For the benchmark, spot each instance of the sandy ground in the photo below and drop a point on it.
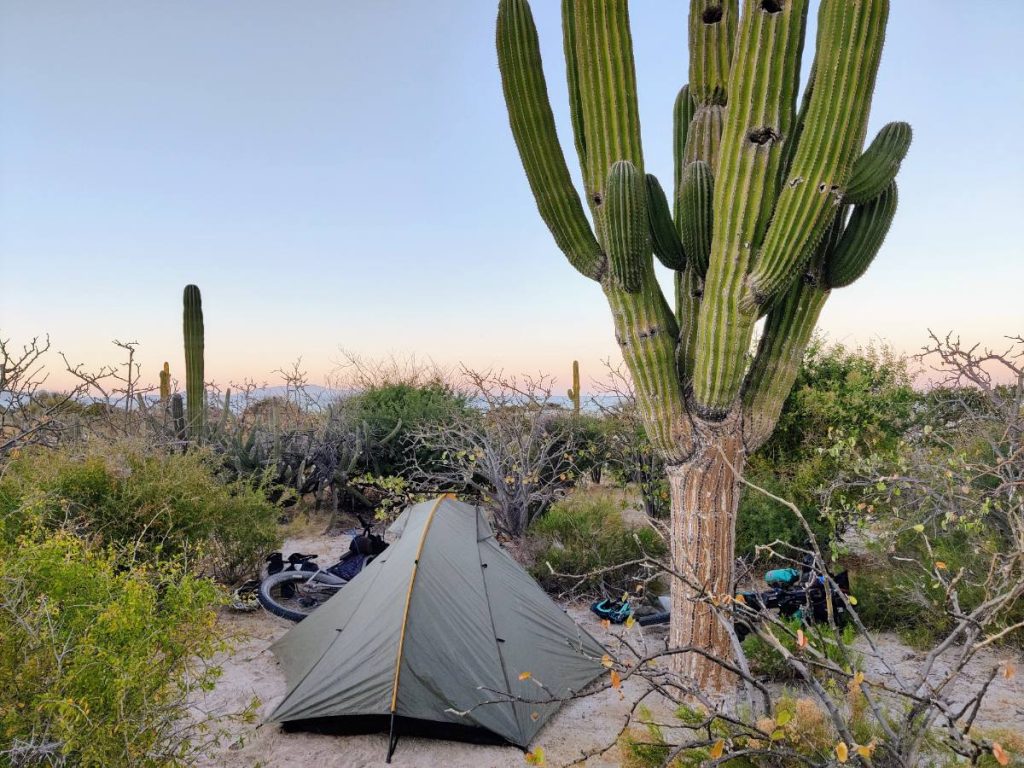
(582, 726)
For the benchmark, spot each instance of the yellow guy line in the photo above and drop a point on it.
(408, 596)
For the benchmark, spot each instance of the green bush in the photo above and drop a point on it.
(768, 663)
(586, 532)
(407, 406)
(159, 504)
(97, 653)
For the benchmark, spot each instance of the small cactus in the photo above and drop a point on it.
(165, 383)
(178, 417)
(574, 391)
(195, 387)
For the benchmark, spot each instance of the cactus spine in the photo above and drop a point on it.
(757, 223)
(195, 386)
(574, 392)
(165, 382)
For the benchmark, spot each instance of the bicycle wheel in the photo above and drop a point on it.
(293, 595)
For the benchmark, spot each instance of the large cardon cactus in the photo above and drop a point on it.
(773, 204)
(195, 386)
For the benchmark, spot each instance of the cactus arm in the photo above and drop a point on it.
(607, 84)
(628, 240)
(862, 239)
(664, 237)
(849, 50)
(195, 388)
(712, 33)
(761, 97)
(572, 74)
(689, 290)
(646, 332)
(787, 331)
(879, 164)
(696, 218)
(705, 135)
(533, 126)
(682, 116)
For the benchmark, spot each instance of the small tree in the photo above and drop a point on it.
(761, 195)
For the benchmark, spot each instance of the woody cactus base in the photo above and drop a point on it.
(771, 207)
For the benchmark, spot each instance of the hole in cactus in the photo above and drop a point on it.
(771, 6)
(822, 187)
(809, 278)
(597, 198)
(796, 182)
(712, 15)
(762, 136)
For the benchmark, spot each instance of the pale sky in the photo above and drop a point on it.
(341, 173)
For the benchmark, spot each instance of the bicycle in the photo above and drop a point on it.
(299, 589)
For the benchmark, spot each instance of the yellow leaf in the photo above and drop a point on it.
(625, 597)
(801, 639)
(524, 675)
(842, 752)
(717, 749)
(866, 750)
(740, 599)
(852, 599)
(606, 623)
(783, 717)
(630, 621)
(616, 680)
(1001, 755)
(536, 757)
(777, 735)
(855, 681)
(535, 716)
(1009, 671)
(919, 528)
(940, 565)
(606, 661)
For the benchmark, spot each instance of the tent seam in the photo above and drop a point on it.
(494, 631)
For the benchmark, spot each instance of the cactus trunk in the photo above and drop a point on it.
(195, 387)
(705, 497)
(760, 198)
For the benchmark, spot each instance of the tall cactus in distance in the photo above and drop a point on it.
(757, 224)
(574, 391)
(165, 382)
(195, 383)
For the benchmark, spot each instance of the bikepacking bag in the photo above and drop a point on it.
(782, 577)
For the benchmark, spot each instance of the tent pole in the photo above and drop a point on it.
(392, 739)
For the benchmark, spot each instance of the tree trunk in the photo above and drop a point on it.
(705, 498)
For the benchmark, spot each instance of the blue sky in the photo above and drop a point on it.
(341, 173)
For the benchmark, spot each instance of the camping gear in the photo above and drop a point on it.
(443, 633)
(615, 611)
(295, 591)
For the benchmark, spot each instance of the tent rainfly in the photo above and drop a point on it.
(442, 634)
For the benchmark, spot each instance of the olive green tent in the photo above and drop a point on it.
(442, 634)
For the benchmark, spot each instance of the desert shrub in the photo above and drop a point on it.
(844, 401)
(98, 653)
(767, 662)
(405, 406)
(586, 532)
(158, 504)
